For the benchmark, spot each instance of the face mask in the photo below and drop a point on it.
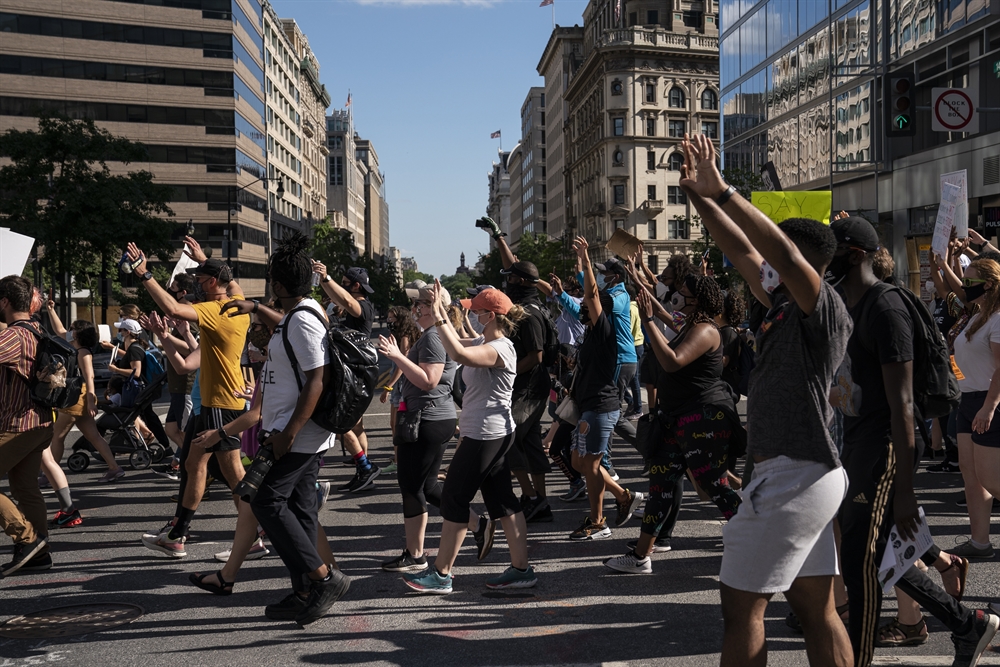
(677, 301)
(259, 337)
(838, 269)
(199, 293)
(929, 286)
(477, 326)
(601, 281)
(661, 291)
(519, 293)
(120, 337)
(769, 278)
(975, 291)
(678, 318)
(69, 336)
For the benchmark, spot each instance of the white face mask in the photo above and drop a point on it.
(69, 336)
(677, 301)
(482, 324)
(769, 278)
(661, 291)
(929, 286)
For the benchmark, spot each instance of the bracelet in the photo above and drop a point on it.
(387, 387)
(256, 304)
(648, 319)
(440, 322)
(726, 196)
(222, 434)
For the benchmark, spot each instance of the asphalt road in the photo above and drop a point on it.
(581, 613)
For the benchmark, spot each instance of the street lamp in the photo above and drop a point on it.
(280, 192)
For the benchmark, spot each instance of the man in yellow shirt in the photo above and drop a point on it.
(638, 339)
(222, 341)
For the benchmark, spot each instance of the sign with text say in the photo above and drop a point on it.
(780, 206)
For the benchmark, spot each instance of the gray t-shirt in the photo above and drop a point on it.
(437, 403)
(788, 407)
(486, 402)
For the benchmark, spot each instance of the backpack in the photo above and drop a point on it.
(151, 368)
(550, 348)
(935, 387)
(746, 361)
(350, 379)
(55, 380)
(130, 391)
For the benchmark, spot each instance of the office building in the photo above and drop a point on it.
(345, 200)
(498, 206)
(532, 167)
(376, 207)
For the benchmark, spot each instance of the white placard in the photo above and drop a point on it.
(901, 553)
(945, 219)
(15, 251)
(959, 178)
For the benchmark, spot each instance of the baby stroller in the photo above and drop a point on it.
(125, 437)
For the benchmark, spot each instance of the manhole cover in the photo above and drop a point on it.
(78, 619)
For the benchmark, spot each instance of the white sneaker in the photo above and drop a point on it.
(257, 551)
(162, 531)
(629, 564)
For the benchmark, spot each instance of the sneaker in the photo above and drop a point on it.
(39, 563)
(660, 546)
(112, 475)
(576, 491)
(286, 610)
(430, 582)
(944, 466)
(66, 519)
(513, 578)
(163, 544)
(390, 469)
(645, 470)
(362, 480)
(611, 471)
(960, 501)
(969, 648)
(162, 531)
(322, 595)
(630, 563)
(257, 551)
(406, 563)
(484, 535)
(323, 492)
(968, 550)
(171, 471)
(589, 530)
(537, 510)
(627, 507)
(24, 552)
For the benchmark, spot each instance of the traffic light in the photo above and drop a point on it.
(900, 105)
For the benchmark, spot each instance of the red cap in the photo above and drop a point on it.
(491, 299)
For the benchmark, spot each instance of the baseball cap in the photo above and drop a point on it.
(856, 232)
(356, 274)
(612, 266)
(129, 325)
(473, 291)
(524, 270)
(418, 290)
(214, 268)
(490, 299)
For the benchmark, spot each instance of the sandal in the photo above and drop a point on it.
(199, 580)
(895, 633)
(962, 565)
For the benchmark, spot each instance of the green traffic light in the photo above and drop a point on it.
(901, 121)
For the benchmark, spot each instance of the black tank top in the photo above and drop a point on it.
(698, 383)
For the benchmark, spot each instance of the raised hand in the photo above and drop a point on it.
(388, 347)
(645, 304)
(193, 250)
(556, 282)
(580, 246)
(320, 268)
(700, 175)
(133, 254)
(976, 237)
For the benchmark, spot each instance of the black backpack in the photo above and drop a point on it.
(550, 349)
(55, 381)
(935, 387)
(350, 379)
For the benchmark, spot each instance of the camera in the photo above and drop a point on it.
(128, 266)
(255, 474)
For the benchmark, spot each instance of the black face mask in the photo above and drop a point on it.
(259, 337)
(973, 292)
(838, 269)
(176, 294)
(520, 292)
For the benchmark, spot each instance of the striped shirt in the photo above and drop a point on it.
(18, 413)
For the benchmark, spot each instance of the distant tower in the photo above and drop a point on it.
(462, 267)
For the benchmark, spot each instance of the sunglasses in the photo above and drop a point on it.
(969, 282)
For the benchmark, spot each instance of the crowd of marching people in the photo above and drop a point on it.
(848, 380)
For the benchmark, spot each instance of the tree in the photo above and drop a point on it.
(409, 275)
(58, 189)
(744, 180)
(549, 255)
(457, 284)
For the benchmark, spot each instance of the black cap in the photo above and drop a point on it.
(356, 274)
(214, 268)
(524, 270)
(612, 266)
(856, 232)
(474, 291)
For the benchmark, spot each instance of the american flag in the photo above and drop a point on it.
(348, 100)
(546, 3)
(496, 135)
(618, 10)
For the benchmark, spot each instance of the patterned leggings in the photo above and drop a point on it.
(697, 440)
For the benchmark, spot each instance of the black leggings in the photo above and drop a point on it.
(560, 451)
(419, 463)
(479, 465)
(154, 424)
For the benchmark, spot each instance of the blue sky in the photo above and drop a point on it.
(430, 80)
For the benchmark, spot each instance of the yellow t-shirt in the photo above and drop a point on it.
(222, 339)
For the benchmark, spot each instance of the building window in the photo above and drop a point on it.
(619, 127)
(710, 130)
(650, 160)
(653, 262)
(650, 192)
(676, 196)
(677, 128)
(619, 224)
(652, 17)
(650, 93)
(692, 19)
(675, 162)
(618, 157)
(709, 100)
(650, 127)
(677, 98)
(677, 228)
(337, 170)
(619, 195)
(633, 18)
(651, 230)
(616, 87)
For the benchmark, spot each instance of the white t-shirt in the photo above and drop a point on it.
(486, 402)
(974, 357)
(307, 336)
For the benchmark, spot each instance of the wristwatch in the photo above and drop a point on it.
(726, 196)
(256, 305)
(440, 322)
(146, 276)
(648, 319)
(328, 278)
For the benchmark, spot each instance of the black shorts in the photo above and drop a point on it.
(179, 410)
(649, 368)
(212, 419)
(972, 403)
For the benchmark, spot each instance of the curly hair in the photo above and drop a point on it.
(18, 291)
(883, 265)
(734, 308)
(404, 326)
(291, 266)
(814, 240)
(507, 324)
(709, 297)
(989, 270)
(456, 317)
(85, 333)
(682, 267)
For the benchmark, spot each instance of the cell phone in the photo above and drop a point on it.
(705, 254)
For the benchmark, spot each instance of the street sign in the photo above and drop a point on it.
(954, 110)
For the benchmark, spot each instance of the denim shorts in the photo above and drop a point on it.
(593, 432)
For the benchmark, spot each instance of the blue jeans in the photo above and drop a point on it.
(592, 435)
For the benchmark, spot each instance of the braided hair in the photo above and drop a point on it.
(291, 266)
(734, 308)
(709, 297)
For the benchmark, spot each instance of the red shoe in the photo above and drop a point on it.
(66, 519)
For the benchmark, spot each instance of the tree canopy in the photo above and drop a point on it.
(335, 248)
(549, 255)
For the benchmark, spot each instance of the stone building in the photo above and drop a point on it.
(345, 200)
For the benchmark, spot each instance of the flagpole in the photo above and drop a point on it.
(553, 15)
